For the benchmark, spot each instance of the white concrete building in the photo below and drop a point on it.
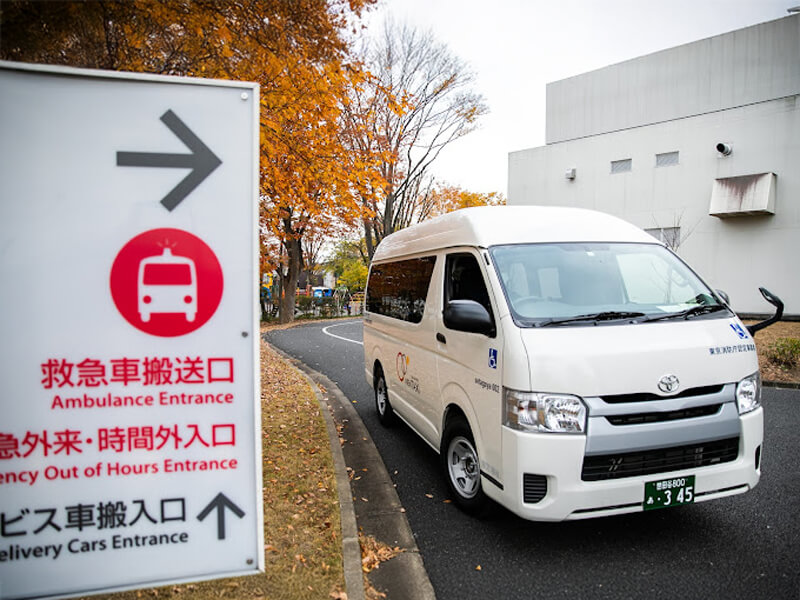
(699, 144)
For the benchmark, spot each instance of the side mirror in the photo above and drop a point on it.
(469, 316)
(777, 303)
(725, 298)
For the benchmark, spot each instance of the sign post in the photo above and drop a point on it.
(130, 447)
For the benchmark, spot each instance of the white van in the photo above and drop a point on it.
(563, 363)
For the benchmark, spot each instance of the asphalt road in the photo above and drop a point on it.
(747, 546)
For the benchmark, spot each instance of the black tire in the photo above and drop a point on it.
(461, 467)
(382, 405)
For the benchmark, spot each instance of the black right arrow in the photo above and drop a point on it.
(220, 503)
(202, 161)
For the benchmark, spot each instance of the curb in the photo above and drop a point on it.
(379, 512)
(782, 385)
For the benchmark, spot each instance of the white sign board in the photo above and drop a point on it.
(129, 415)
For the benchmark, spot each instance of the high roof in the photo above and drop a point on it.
(487, 226)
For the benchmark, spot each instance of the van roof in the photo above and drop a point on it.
(486, 226)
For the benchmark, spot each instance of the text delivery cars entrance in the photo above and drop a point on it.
(563, 362)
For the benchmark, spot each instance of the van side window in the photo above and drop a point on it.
(399, 289)
(464, 280)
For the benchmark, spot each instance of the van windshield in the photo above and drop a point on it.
(598, 283)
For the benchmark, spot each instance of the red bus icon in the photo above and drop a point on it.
(167, 284)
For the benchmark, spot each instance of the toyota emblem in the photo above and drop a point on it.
(669, 384)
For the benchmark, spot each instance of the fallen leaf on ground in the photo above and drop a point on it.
(373, 552)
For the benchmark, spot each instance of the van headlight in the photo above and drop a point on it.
(545, 413)
(748, 393)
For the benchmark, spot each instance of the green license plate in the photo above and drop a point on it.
(668, 492)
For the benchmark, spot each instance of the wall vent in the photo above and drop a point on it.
(621, 166)
(667, 159)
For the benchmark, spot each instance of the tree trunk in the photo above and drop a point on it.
(388, 215)
(368, 239)
(294, 253)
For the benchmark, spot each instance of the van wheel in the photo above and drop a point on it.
(462, 467)
(385, 412)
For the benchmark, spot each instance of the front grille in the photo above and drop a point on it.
(534, 488)
(646, 397)
(660, 460)
(673, 415)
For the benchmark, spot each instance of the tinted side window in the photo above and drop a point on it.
(399, 289)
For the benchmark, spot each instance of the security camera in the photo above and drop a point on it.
(724, 149)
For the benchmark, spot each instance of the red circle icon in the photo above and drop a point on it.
(166, 282)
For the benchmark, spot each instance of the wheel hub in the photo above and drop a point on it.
(463, 467)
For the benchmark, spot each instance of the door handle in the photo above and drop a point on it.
(440, 338)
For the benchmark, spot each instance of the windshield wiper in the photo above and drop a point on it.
(701, 309)
(599, 316)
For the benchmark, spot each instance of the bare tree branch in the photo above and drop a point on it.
(418, 101)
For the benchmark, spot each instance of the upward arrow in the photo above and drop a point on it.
(220, 503)
(202, 160)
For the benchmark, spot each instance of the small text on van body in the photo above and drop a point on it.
(492, 387)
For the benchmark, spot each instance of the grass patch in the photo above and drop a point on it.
(766, 340)
(785, 352)
(302, 531)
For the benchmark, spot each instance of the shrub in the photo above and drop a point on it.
(305, 304)
(327, 307)
(785, 351)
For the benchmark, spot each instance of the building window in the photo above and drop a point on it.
(621, 166)
(671, 236)
(667, 159)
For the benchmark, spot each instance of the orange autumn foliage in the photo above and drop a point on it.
(311, 175)
(449, 198)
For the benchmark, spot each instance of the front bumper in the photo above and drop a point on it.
(559, 459)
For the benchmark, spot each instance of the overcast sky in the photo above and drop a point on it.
(516, 47)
